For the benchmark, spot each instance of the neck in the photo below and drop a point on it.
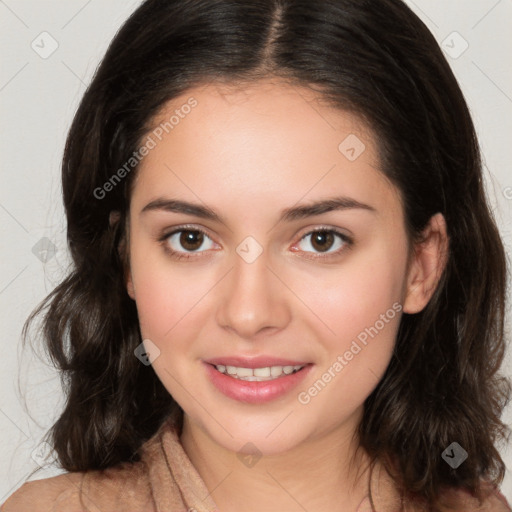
(323, 473)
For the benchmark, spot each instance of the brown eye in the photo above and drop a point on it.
(191, 240)
(187, 240)
(323, 240)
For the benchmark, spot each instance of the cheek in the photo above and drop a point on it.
(365, 317)
(361, 305)
(165, 292)
(355, 295)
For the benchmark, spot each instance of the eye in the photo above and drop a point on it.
(326, 241)
(183, 240)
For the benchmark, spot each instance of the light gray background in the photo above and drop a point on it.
(38, 97)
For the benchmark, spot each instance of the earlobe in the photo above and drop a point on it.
(429, 259)
(129, 286)
(122, 250)
(128, 272)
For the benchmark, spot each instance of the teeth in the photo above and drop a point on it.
(231, 370)
(261, 372)
(275, 371)
(244, 372)
(257, 374)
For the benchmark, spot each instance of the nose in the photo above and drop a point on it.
(253, 299)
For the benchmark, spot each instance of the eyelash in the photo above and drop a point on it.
(348, 242)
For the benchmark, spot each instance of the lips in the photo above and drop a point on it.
(254, 390)
(254, 362)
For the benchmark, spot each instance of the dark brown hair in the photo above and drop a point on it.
(373, 58)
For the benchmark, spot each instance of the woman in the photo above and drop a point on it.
(279, 229)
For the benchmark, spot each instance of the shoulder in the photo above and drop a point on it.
(44, 495)
(463, 500)
(122, 487)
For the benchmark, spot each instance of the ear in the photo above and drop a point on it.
(129, 284)
(429, 259)
(122, 248)
(123, 252)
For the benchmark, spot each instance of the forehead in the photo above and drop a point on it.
(266, 142)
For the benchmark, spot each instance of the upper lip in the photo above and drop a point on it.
(253, 362)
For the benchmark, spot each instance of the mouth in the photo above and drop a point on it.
(261, 374)
(257, 380)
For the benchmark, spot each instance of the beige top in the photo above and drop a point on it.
(164, 480)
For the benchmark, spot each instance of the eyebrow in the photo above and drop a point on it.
(288, 214)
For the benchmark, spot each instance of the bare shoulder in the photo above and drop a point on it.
(123, 487)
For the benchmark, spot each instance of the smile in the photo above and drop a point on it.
(258, 374)
(255, 381)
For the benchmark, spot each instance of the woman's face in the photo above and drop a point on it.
(258, 289)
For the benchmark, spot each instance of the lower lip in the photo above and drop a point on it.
(255, 392)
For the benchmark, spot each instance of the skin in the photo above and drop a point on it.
(248, 154)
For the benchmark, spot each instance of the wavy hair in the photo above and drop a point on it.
(373, 58)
